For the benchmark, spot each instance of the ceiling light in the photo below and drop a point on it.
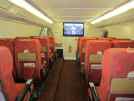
(122, 9)
(25, 5)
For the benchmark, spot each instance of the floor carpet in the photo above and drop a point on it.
(64, 83)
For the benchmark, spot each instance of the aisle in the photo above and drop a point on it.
(71, 85)
(51, 83)
(66, 84)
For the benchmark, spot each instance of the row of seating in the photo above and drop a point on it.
(24, 61)
(90, 53)
(117, 82)
(108, 63)
(115, 43)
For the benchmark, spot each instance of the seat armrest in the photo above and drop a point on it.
(93, 91)
(27, 89)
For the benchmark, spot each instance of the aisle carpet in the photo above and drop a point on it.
(65, 83)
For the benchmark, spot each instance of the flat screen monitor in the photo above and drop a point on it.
(73, 29)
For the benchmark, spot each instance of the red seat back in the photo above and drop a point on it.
(8, 85)
(51, 43)
(117, 64)
(108, 38)
(123, 43)
(28, 58)
(93, 57)
(7, 42)
(82, 49)
(82, 44)
(51, 47)
(44, 45)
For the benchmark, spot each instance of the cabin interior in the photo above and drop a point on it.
(66, 50)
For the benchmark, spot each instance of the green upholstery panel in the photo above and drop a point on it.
(95, 58)
(122, 85)
(45, 49)
(124, 99)
(27, 56)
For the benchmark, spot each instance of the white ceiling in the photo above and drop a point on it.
(126, 17)
(67, 10)
(9, 11)
(79, 10)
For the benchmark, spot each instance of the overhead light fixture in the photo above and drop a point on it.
(28, 7)
(122, 9)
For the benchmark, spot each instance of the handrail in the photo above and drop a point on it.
(94, 94)
(25, 90)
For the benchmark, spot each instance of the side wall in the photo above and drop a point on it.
(13, 29)
(122, 30)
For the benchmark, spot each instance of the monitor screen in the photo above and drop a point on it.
(73, 29)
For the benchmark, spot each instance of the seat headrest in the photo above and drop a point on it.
(119, 60)
(6, 61)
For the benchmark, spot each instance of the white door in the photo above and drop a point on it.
(69, 45)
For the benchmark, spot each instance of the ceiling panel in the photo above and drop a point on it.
(18, 12)
(79, 9)
(128, 16)
(82, 3)
(4, 4)
(65, 10)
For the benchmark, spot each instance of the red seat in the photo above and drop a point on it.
(28, 59)
(7, 42)
(44, 45)
(117, 75)
(82, 43)
(77, 50)
(8, 86)
(51, 48)
(122, 43)
(108, 38)
(93, 57)
(51, 42)
(81, 50)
